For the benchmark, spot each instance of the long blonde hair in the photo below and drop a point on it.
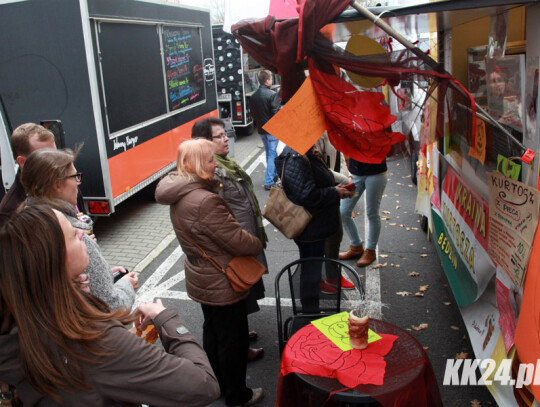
(191, 157)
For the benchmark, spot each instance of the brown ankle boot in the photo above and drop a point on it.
(354, 252)
(367, 258)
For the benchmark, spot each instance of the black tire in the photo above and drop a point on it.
(424, 224)
(414, 167)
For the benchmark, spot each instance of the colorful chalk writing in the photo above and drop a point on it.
(182, 56)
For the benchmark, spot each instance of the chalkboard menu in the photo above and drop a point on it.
(139, 84)
(182, 54)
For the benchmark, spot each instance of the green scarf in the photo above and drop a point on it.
(235, 171)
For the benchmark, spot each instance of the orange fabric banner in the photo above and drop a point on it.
(528, 328)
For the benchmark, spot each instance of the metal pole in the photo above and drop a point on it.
(424, 57)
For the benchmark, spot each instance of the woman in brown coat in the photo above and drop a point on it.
(200, 215)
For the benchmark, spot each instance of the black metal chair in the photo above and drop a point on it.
(291, 318)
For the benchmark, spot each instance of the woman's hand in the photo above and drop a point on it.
(118, 268)
(344, 192)
(82, 282)
(146, 312)
(133, 279)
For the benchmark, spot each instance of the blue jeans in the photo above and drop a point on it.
(270, 146)
(374, 186)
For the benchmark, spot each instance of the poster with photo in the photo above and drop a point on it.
(505, 80)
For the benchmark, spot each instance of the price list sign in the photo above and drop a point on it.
(182, 54)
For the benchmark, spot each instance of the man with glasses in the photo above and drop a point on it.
(25, 139)
(238, 192)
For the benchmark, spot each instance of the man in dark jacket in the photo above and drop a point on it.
(25, 139)
(264, 105)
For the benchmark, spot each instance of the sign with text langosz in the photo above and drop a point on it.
(465, 215)
(513, 217)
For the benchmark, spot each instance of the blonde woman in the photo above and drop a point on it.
(199, 215)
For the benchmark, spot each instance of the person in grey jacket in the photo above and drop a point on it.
(50, 176)
(61, 346)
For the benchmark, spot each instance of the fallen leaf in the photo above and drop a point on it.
(419, 327)
(418, 294)
(397, 207)
(379, 266)
(455, 328)
(403, 293)
(411, 244)
(385, 292)
(462, 355)
(426, 347)
(447, 303)
(385, 218)
(384, 256)
(386, 212)
(399, 183)
(423, 255)
(396, 194)
(407, 229)
(414, 274)
(408, 176)
(402, 225)
(475, 403)
(393, 224)
(397, 265)
(414, 228)
(424, 287)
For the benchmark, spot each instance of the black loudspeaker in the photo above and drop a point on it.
(230, 78)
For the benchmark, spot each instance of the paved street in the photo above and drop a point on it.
(139, 236)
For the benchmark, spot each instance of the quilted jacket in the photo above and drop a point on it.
(308, 182)
(211, 224)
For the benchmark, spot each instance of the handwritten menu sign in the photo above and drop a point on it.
(182, 54)
(513, 217)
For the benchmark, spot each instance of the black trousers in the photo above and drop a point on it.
(225, 341)
(310, 275)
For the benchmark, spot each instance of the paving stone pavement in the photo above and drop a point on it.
(140, 228)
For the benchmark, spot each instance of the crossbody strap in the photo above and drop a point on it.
(205, 256)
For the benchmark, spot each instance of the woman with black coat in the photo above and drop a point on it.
(308, 182)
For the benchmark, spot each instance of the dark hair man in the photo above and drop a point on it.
(264, 105)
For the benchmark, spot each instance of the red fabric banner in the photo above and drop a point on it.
(356, 121)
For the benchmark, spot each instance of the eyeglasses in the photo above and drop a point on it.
(77, 176)
(220, 136)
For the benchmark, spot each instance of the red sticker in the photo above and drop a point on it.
(528, 156)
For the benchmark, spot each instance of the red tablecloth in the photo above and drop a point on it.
(311, 368)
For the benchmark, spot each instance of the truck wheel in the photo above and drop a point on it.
(414, 167)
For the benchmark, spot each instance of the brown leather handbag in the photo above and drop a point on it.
(288, 218)
(242, 271)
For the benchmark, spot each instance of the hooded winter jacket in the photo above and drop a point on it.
(207, 219)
